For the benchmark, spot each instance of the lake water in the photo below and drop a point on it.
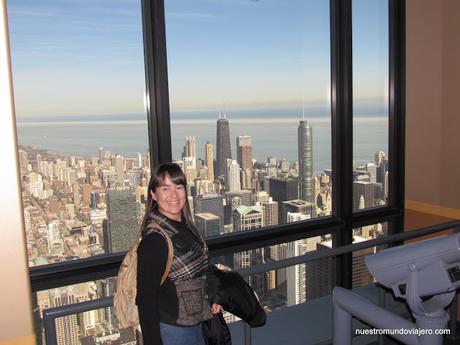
(270, 136)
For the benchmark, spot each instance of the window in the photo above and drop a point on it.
(291, 285)
(370, 103)
(93, 326)
(83, 143)
(250, 108)
(361, 275)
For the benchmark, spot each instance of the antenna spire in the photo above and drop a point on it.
(303, 110)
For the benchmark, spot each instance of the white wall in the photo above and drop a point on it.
(15, 297)
(432, 102)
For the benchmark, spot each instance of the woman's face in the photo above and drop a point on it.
(170, 198)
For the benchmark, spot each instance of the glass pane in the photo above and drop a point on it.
(79, 87)
(85, 329)
(250, 109)
(90, 327)
(370, 103)
(361, 275)
(291, 285)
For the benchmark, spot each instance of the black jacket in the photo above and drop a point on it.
(234, 294)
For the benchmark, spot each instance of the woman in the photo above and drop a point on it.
(171, 313)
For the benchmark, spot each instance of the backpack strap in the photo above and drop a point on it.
(163, 233)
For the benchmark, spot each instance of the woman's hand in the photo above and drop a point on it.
(216, 308)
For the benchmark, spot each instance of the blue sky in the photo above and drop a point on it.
(83, 57)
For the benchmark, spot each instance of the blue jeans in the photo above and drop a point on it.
(177, 335)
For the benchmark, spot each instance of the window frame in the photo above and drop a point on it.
(343, 218)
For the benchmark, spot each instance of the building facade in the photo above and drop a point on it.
(223, 147)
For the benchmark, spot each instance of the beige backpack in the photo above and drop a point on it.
(124, 299)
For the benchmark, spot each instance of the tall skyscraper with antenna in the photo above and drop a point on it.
(223, 148)
(305, 151)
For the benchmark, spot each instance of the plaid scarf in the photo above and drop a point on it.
(190, 257)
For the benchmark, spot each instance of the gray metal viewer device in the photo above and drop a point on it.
(427, 269)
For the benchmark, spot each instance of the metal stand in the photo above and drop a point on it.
(430, 315)
(247, 334)
(347, 304)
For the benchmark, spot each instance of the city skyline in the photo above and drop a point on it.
(281, 178)
(276, 139)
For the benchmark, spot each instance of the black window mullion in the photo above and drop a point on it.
(342, 132)
(156, 75)
(397, 72)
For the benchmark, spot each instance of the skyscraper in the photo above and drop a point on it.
(244, 159)
(139, 160)
(244, 151)
(101, 154)
(245, 197)
(94, 200)
(122, 215)
(189, 169)
(209, 160)
(208, 224)
(119, 170)
(87, 189)
(319, 272)
(366, 190)
(379, 157)
(295, 206)
(232, 176)
(305, 151)
(23, 159)
(361, 275)
(261, 197)
(223, 149)
(67, 326)
(247, 218)
(371, 168)
(282, 189)
(296, 275)
(270, 209)
(39, 162)
(203, 186)
(190, 147)
(210, 203)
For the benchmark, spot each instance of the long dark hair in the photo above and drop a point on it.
(175, 173)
